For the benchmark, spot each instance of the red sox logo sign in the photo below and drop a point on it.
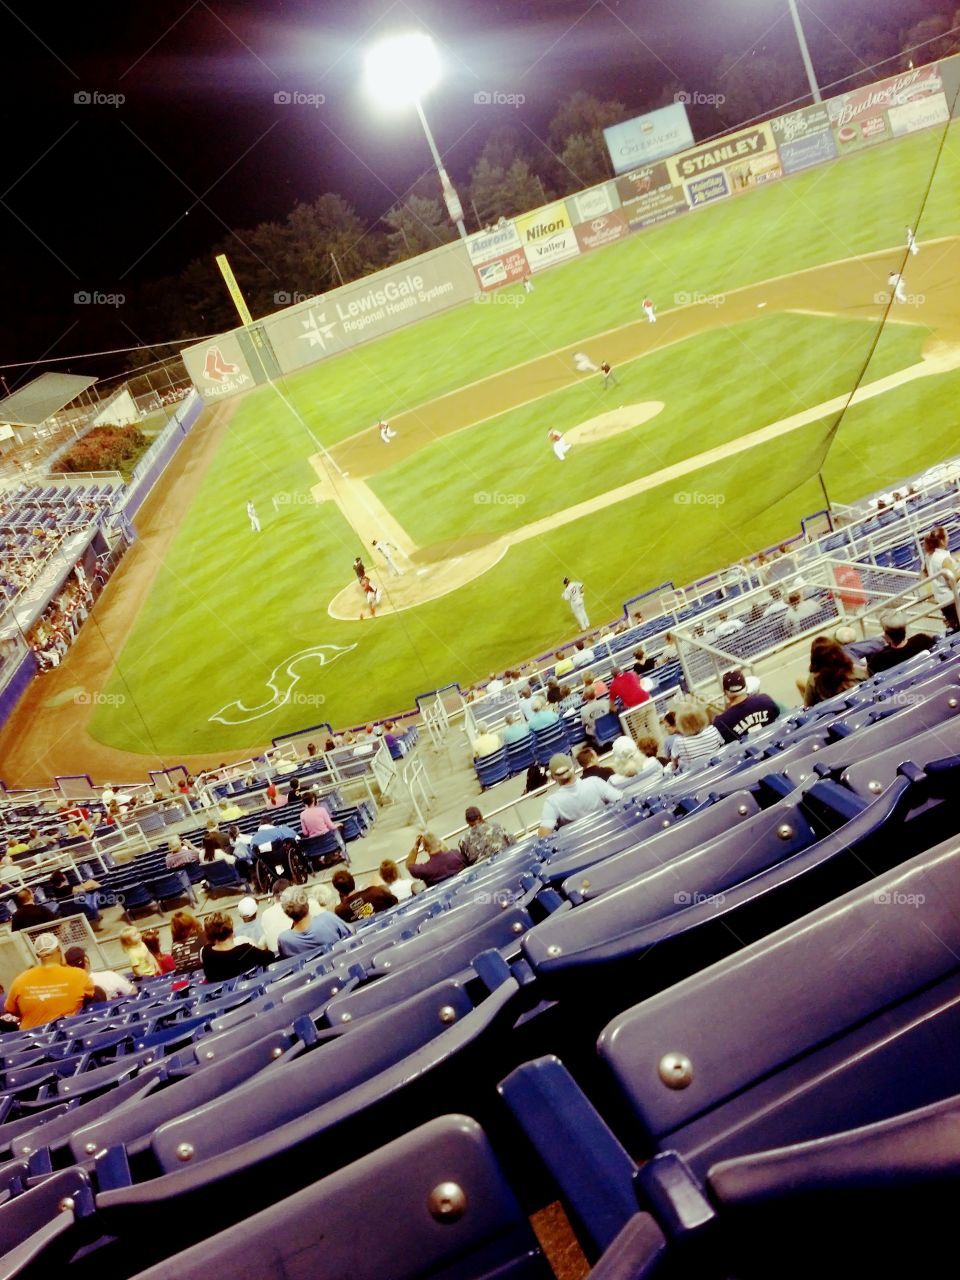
(216, 368)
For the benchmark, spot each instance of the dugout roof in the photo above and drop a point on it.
(42, 398)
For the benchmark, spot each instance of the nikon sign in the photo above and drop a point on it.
(547, 236)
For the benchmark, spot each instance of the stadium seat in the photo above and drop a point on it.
(492, 768)
(451, 1210)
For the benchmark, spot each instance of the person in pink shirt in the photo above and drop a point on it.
(626, 686)
(315, 821)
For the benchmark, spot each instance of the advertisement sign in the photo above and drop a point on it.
(487, 245)
(860, 117)
(648, 137)
(593, 203)
(218, 368)
(547, 236)
(607, 229)
(804, 138)
(368, 308)
(743, 149)
(707, 189)
(505, 270)
(922, 114)
(649, 196)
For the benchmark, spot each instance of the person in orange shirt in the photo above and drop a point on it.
(49, 990)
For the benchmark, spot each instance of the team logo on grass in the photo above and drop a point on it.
(281, 682)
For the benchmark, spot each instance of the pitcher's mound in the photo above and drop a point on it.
(613, 422)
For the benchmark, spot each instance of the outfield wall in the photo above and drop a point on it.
(316, 328)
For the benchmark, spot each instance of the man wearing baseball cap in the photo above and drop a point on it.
(746, 708)
(574, 797)
(49, 990)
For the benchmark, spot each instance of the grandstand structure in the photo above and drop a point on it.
(687, 1028)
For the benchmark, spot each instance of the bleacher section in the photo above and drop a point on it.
(765, 946)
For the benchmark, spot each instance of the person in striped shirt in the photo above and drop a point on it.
(697, 740)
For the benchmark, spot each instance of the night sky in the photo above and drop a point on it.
(99, 197)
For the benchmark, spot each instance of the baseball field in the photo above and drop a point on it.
(728, 420)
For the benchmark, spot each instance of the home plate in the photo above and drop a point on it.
(421, 572)
(761, 304)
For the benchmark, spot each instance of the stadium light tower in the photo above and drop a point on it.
(804, 51)
(399, 71)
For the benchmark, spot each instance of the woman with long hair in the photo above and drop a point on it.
(832, 671)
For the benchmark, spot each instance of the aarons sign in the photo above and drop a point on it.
(547, 236)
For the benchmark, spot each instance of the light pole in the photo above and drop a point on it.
(399, 71)
(804, 51)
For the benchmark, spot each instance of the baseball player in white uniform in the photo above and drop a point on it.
(253, 517)
(560, 446)
(387, 433)
(912, 241)
(583, 364)
(648, 308)
(387, 549)
(896, 283)
(573, 594)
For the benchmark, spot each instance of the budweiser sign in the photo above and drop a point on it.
(919, 83)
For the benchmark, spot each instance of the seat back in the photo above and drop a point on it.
(669, 842)
(822, 1025)
(452, 1212)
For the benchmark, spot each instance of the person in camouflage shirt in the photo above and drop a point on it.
(483, 839)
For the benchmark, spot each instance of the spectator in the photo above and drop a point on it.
(294, 792)
(777, 604)
(746, 707)
(799, 612)
(698, 739)
(49, 989)
(485, 743)
(670, 734)
(180, 852)
(109, 985)
(575, 797)
(669, 651)
(187, 941)
(941, 568)
(75, 899)
(137, 956)
(831, 672)
(151, 940)
(897, 648)
(593, 682)
(516, 729)
(536, 778)
(213, 841)
(642, 665)
(591, 711)
(527, 709)
(542, 717)
(570, 699)
(726, 626)
(441, 863)
(590, 766)
(315, 820)
(400, 886)
(564, 663)
(275, 920)
(29, 912)
(483, 839)
(307, 934)
(251, 930)
(359, 904)
(225, 956)
(625, 686)
(633, 760)
(583, 655)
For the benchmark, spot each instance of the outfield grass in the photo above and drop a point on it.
(228, 606)
(709, 388)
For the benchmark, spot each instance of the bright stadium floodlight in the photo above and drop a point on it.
(398, 72)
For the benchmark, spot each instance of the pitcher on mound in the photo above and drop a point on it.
(560, 446)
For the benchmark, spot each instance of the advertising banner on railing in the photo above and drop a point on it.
(804, 138)
(878, 112)
(547, 236)
(720, 168)
(650, 195)
(649, 137)
(593, 203)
